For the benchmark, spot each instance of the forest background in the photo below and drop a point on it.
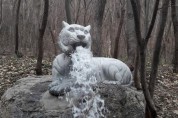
(144, 34)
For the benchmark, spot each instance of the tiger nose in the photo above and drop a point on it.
(81, 37)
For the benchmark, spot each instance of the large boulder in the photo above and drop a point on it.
(29, 98)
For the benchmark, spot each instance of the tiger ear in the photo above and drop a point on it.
(64, 24)
(88, 27)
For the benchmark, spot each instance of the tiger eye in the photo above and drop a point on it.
(71, 29)
(86, 32)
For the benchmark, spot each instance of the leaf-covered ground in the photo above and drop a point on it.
(166, 92)
(12, 69)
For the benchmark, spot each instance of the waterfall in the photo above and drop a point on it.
(84, 96)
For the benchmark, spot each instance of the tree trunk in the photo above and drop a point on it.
(53, 36)
(130, 35)
(150, 106)
(17, 30)
(157, 49)
(164, 52)
(78, 12)
(174, 6)
(152, 21)
(86, 7)
(142, 43)
(97, 41)
(40, 39)
(1, 13)
(68, 13)
(116, 45)
(156, 54)
(133, 55)
(136, 68)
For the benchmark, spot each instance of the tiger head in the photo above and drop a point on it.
(74, 35)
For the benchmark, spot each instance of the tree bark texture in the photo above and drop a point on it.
(86, 7)
(152, 21)
(130, 34)
(133, 55)
(40, 39)
(174, 6)
(157, 49)
(147, 36)
(68, 12)
(53, 36)
(78, 12)
(116, 45)
(136, 68)
(1, 13)
(17, 29)
(150, 109)
(97, 42)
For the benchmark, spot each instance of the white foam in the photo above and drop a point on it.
(86, 102)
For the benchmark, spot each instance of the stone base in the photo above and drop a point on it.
(29, 98)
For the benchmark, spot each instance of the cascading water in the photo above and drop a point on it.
(83, 95)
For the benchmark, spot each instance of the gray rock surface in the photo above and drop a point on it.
(29, 98)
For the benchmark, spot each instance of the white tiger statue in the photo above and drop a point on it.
(70, 37)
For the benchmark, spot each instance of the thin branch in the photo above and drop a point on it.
(152, 21)
(167, 6)
(53, 36)
(116, 46)
(40, 38)
(89, 4)
(136, 21)
(155, 61)
(78, 11)
(68, 12)
(17, 29)
(142, 48)
(86, 7)
(1, 12)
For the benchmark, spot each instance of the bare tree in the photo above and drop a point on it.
(97, 42)
(17, 30)
(68, 12)
(174, 5)
(116, 46)
(32, 11)
(132, 51)
(1, 13)
(86, 7)
(40, 39)
(53, 36)
(136, 69)
(130, 34)
(157, 49)
(78, 12)
(142, 44)
(142, 47)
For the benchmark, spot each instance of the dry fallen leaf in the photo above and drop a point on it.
(175, 111)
